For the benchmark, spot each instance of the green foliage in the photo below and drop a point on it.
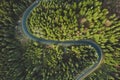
(70, 20)
(60, 23)
(11, 51)
(58, 20)
(50, 62)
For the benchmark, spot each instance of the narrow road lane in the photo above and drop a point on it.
(84, 73)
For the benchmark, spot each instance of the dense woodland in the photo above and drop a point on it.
(34, 61)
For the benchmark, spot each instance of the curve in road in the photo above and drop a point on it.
(85, 72)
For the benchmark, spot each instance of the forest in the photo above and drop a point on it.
(58, 20)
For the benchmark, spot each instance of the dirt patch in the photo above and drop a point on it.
(20, 34)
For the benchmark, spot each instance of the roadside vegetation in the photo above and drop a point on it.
(58, 20)
(69, 20)
(53, 63)
(12, 66)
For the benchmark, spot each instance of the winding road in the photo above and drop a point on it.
(85, 72)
